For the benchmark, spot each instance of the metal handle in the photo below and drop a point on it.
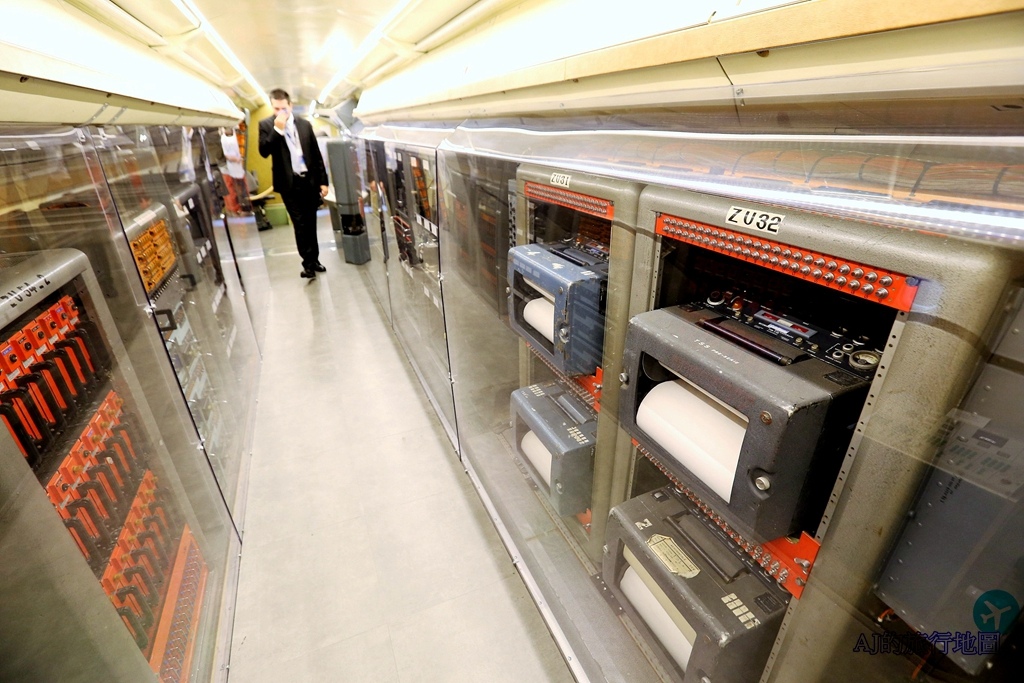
(171, 324)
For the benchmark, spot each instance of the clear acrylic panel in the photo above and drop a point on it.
(414, 275)
(117, 541)
(375, 217)
(755, 387)
(206, 332)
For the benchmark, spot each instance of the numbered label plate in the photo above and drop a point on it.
(752, 218)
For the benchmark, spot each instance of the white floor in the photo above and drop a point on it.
(367, 555)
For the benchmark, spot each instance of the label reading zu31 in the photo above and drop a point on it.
(751, 218)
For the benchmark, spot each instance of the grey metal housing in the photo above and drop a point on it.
(726, 649)
(568, 429)
(798, 418)
(579, 311)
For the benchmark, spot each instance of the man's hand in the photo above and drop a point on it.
(281, 120)
(323, 190)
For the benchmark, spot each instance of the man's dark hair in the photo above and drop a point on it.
(278, 94)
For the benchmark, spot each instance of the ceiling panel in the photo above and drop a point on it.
(298, 45)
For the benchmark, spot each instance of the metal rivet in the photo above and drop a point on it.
(766, 417)
(762, 483)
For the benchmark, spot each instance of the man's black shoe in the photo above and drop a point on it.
(319, 267)
(307, 273)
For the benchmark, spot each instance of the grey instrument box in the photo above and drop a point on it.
(576, 283)
(731, 609)
(567, 428)
(798, 417)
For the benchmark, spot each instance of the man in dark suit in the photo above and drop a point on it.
(298, 172)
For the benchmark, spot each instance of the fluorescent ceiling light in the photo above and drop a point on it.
(188, 8)
(376, 36)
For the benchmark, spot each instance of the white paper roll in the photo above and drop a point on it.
(669, 632)
(540, 315)
(699, 431)
(539, 456)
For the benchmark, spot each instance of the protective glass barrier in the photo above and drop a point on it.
(236, 232)
(118, 546)
(534, 273)
(764, 387)
(235, 359)
(414, 275)
(370, 157)
(205, 328)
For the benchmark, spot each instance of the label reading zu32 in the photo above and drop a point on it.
(751, 218)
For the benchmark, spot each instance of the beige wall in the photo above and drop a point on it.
(253, 161)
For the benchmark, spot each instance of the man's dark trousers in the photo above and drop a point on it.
(302, 200)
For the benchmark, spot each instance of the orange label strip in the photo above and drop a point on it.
(595, 206)
(856, 279)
